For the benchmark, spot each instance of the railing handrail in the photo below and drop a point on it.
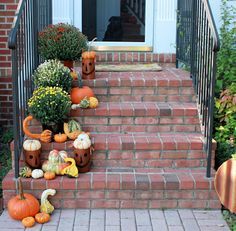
(16, 21)
(197, 46)
(212, 25)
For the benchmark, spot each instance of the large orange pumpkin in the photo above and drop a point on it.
(225, 183)
(80, 92)
(23, 205)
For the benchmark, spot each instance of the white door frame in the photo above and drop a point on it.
(122, 46)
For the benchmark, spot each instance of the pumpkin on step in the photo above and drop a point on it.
(80, 92)
(42, 218)
(60, 138)
(23, 205)
(225, 183)
(83, 141)
(28, 222)
(45, 136)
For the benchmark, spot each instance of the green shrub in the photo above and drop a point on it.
(226, 63)
(49, 105)
(61, 41)
(53, 73)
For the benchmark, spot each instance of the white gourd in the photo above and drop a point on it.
(37, 173)
(31, 145)
(82, 142)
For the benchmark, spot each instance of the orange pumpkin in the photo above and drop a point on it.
(80, 92)
(28, 222)
(45, 136)
(42, 218)
(225, 183)
(60, 138)
(49, 175)
(23, 205)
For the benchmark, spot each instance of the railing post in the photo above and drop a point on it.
(16, 112)
(211, 117)
(193, 38)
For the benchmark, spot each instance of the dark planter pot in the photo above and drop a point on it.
(55, 128)
(69, 64)
(32, 158)
(83, 159)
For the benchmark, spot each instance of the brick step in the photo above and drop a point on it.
(143, 151)
(188, 189)
(138, 117)
(163, 86)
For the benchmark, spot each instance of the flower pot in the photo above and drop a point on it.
(55, 128)
(32, 158)
(83, 159)
(88, 68)
(69, 64)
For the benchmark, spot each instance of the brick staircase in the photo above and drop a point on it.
(148, 147)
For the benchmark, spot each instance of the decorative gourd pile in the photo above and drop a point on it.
(25, 207)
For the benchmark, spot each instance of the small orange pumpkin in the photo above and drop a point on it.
(225, 183)
(42, 218)
(28, 222)
(49, 175)
(60, 138)
(23, 205)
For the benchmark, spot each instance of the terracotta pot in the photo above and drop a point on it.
(69, 64)
(32, 158)
(83, 159)
(88, 68)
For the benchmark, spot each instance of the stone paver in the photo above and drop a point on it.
(123, 220)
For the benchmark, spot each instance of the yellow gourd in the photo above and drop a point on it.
(46, 206)
(93, 102)
(71, 170)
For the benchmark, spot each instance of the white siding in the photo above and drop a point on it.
(165, 26)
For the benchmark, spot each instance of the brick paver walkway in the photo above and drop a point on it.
(125, 220)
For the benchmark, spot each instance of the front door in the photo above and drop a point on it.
(117, 24)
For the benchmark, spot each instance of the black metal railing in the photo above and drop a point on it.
(197, 47)
(31, 16)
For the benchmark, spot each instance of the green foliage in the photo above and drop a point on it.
(53, 73)
(6, 137)
(49, 105)
(225, 122)
(61, 41)
(226, 70)
(225, 103)
(230, 219)
(5, 154)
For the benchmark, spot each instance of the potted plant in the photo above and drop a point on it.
(50, 106)
(53, 73)
(62, 41)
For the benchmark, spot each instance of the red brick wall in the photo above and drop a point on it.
(7, 12)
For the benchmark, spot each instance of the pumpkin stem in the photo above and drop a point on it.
(80, 82)
(234, 156)
(91, 43)
(20, 188)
